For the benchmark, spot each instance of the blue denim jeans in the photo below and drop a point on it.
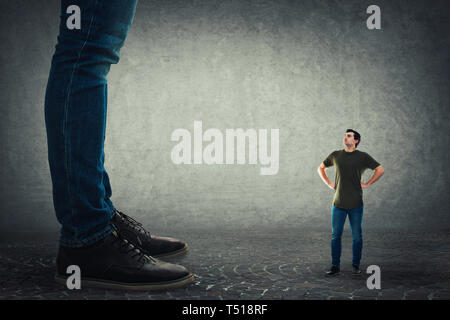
(338, 217)
(75, 117)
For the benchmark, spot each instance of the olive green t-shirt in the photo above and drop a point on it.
(349, 167)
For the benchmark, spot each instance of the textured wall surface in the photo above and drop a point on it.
(312, 69)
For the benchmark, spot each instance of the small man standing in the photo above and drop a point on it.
(350, 165)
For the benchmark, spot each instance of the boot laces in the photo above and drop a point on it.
(127, 247)
(132, 223)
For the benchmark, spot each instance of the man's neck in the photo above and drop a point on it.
(347, 149)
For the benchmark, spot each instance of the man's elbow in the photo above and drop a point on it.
(380, 170)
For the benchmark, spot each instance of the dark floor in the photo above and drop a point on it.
(284, 264)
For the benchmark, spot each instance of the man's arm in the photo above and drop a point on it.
(323, 175)
(379, 171)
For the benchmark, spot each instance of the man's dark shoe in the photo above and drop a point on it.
(114, 263)
(158, 247)
(356, 270)
(333, 271)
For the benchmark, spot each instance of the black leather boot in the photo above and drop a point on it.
(333, 271)
(356, 270)
(115, 263)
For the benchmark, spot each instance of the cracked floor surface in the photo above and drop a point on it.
(259, 264)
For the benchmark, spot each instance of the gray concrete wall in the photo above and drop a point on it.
(312, 69)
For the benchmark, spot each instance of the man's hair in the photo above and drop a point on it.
(356, 135)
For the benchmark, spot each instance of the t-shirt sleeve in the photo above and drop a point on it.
(371, 163)
(328, 162)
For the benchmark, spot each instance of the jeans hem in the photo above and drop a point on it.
(93, 238)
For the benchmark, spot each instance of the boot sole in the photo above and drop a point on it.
(108, 284)
(172, 254)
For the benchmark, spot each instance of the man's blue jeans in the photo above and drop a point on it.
(75, 116)
(338, 216)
